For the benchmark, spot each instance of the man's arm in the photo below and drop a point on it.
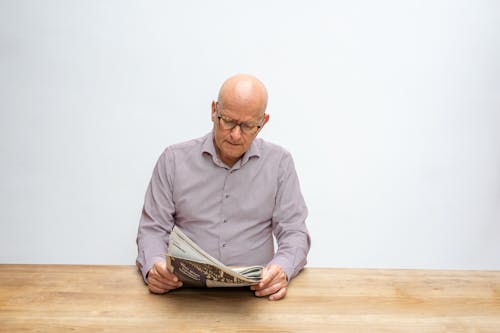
(292, 236)
(289, 216)
(155, 225)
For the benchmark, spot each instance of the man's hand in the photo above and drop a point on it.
(273, 284)
(160, 280)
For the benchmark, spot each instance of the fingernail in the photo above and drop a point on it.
(180, 284)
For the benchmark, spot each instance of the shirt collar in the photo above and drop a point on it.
(209, 148)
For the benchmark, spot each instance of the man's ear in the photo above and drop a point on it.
(266, 119)
(214, 104)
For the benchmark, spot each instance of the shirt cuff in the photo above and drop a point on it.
(283, 263)
(147, 258)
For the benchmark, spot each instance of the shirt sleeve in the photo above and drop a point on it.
(288, 221)
(157, 218)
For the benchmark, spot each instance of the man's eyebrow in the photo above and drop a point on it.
(250, 122)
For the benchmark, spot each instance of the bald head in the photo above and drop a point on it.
(243, 90)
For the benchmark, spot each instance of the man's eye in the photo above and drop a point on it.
(229, 122)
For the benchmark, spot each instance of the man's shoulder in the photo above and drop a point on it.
(186, 146)
(271, 148)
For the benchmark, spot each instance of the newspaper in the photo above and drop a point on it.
(196, 268)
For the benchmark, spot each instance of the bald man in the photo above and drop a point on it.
(230, 192)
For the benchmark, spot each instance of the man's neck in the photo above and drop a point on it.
(226, 160)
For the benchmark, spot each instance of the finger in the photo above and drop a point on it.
(161, 282)
(271, 289)
(265, 283)
(279, 295)
(160, 273)
(160, 287)
(169, 280)
(157, 290)
(162, 270)
(262, 286)
(270, 274)
(276, 284)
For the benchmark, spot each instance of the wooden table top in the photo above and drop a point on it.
(62, 298)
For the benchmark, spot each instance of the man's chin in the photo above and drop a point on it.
(234, 152)
(235, 156)
(233, 149)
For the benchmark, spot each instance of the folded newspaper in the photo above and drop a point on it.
(196, 268)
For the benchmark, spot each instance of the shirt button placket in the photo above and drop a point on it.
(225, 197)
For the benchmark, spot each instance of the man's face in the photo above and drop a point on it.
(231, 144)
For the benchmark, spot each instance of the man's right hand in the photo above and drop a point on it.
(160, 280)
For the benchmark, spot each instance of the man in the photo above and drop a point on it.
(229, 192)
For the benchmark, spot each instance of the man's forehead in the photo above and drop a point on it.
(240, 114)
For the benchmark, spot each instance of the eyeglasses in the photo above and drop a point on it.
(228, 124)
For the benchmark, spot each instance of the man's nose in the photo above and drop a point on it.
(236, 133)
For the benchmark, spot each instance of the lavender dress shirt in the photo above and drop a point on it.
(231, 213)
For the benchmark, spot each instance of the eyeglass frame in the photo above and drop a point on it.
(238, 123)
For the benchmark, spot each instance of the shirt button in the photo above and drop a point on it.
(225, 221)
(227, 196)
(224, 245)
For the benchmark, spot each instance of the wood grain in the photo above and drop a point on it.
(62, 298)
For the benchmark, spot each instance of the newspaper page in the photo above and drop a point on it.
(196, 268)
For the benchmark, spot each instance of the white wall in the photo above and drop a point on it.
(390, 108)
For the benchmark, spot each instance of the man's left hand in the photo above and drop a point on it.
(274, 283)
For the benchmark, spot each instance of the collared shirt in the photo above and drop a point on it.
(230, 212)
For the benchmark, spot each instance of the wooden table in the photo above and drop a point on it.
(63, 298)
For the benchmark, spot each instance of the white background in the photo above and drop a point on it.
(391, 110)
